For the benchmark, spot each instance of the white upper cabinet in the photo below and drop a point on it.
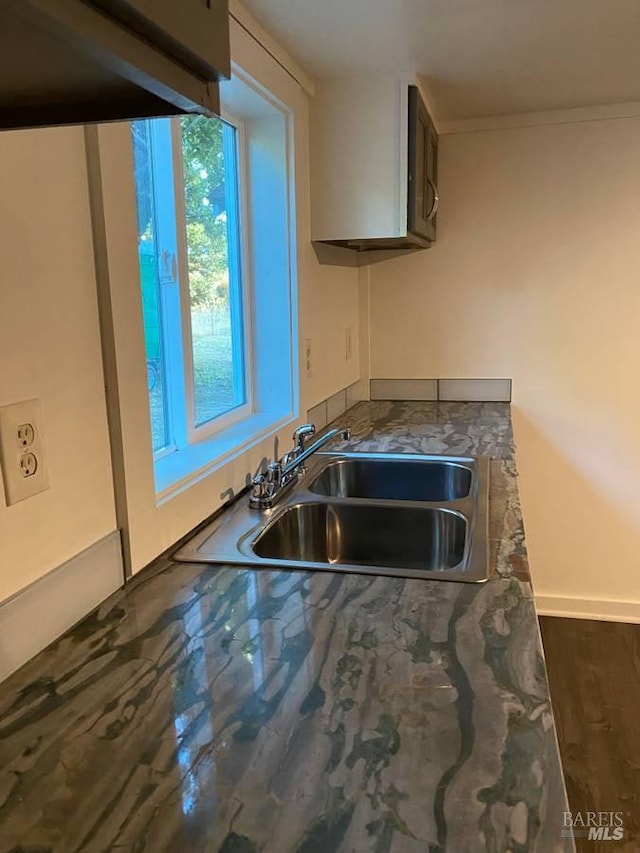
(373, 164)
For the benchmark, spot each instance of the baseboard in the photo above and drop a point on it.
(588, 608)
(37, 615)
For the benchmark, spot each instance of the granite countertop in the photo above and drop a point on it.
(212, 708)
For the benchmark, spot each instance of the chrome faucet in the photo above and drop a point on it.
(270, 485)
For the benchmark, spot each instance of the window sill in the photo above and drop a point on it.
(182, 469)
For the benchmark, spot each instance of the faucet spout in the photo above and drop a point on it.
(344, 433)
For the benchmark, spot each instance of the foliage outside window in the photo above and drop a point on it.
(189, 247)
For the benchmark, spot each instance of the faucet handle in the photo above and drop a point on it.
(274, 474)
(302, 434)
(265, 480)
(259, 484)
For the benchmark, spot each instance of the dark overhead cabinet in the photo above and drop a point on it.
(422, 196)
(81, 61)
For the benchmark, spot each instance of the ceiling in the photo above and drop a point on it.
(479, 57)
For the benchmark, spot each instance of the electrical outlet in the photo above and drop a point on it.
(348, 344)
(307, 356)
(25, 435)
(28, 464)
(24, 468)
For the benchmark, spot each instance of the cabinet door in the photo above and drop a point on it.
(195, 32)
(423, 197)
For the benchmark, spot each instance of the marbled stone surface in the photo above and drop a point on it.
(457, 429)
(222, 709)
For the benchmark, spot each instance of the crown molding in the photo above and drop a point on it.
(603, 112)
(246, 20)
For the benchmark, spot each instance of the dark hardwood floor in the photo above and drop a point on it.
(594, 676)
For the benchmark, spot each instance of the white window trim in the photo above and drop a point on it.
(152, 522)
(169, 303)
(197, 433)
(206, 457)
(204, 449)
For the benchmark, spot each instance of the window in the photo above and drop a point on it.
(216, 246)
(148, 296)
(194, 294)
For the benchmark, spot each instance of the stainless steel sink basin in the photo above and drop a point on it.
(409, 538)
(393, 480)
(404, 515)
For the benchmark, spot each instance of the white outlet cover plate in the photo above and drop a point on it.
(16, 486)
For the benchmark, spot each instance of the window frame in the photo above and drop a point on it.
(157, 503)
(173, 378)
(199, 449)
(208, 429)
(175, 305)
(166, 228)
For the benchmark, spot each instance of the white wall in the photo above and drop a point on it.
(536, 276)
(328, 306)
(47, 274)
(327, 294)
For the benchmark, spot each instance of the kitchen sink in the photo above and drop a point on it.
(406, 538)
(403, 515)
(393, 480)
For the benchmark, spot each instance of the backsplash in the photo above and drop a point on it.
(337, 404)
(433, 390)
(451, 390)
